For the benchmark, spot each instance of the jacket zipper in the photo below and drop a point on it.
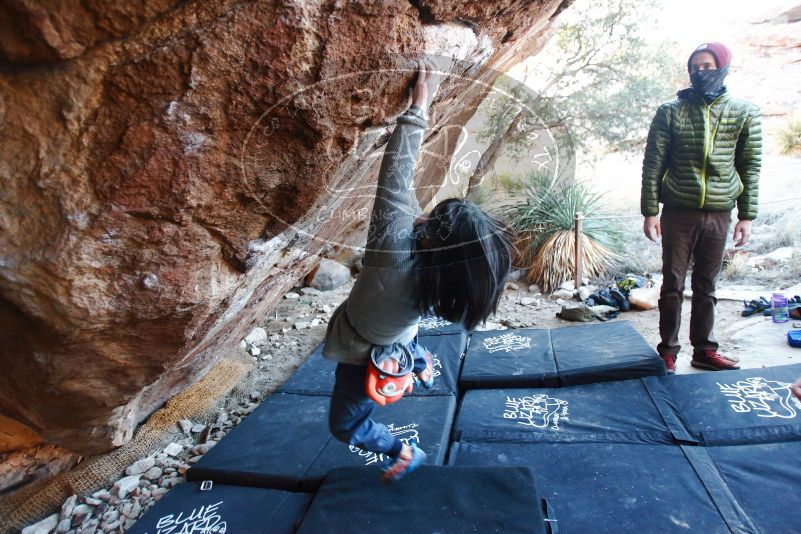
(706, 152)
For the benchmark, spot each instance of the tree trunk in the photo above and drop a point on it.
(490, 156)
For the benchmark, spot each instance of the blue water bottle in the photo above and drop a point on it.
(781, 313)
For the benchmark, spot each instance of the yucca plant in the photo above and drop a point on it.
(542, 215)
(790, 137)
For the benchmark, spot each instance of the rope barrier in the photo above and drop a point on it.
(599, 217)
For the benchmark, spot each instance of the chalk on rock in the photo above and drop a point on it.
(255, 351)
(291, 295)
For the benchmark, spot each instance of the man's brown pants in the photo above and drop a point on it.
(699, 235)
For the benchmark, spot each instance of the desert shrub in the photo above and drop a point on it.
(542, 214)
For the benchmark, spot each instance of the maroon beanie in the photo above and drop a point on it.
(720, 51)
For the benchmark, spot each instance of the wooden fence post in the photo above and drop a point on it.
(579, 253)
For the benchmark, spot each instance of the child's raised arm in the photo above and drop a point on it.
(396, 205)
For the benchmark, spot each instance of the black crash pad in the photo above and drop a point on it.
(765, 479)
(432, 499)
(737, 407)
(614, 487)
(509, 358)
(186, 509)
(603, 351)
(285, 443)
(620, 412)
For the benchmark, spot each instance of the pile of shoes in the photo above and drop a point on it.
(617, 295)
(755, 306)
(762, 305)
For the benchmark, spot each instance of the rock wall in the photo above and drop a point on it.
(170, 169)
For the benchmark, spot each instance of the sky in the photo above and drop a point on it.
(692, 22)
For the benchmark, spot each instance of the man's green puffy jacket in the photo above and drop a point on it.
(703, 156)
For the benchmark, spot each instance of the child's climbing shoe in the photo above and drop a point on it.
(397, 468)
(427, 384)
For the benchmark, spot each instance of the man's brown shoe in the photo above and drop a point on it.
(714, 361)
(670, 362)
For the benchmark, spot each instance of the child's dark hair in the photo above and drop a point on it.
(463, 257)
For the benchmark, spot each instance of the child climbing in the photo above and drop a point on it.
(452, 262)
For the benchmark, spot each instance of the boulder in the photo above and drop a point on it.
(329, 275)
(170, 170)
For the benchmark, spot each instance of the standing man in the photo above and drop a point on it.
(702, 157)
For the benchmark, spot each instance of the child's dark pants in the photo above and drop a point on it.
(349, 414)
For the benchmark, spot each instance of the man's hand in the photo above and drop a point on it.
(796, 389)
(427, 84)
(651, 227)
(742, 231)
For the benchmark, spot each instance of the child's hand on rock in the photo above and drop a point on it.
(427, 84)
